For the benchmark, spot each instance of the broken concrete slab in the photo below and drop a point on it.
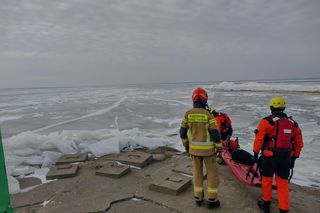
(72, 158)
(158, 157)
(170, 153)
(112, 169)
(27, 182)
(135, 158)
(62, 171)
(183, 167)
(171, 184)
(140, 205)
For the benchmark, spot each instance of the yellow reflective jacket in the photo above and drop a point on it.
(199, 122)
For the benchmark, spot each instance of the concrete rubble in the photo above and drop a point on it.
(62, 171)
(173, 183)
(112, 169)
(135, 158)
(27, 182)
(72, 158)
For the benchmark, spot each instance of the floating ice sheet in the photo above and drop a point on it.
(255, 86)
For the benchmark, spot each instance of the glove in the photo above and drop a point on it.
(187, 148)
(255, 158)
(293, 159)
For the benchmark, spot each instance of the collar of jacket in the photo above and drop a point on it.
(280, 114)
(199, 104)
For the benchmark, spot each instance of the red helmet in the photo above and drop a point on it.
(199, 94)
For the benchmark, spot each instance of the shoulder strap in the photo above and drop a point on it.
(293, 121)
(276, 133)
(270, 120)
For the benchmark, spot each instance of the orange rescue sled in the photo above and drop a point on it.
(246, 174)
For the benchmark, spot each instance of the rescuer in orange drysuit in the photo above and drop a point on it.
(224, 123)
(279, 139)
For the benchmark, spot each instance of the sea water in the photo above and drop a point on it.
(40, 124)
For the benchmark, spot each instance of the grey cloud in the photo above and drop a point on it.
(132, 41)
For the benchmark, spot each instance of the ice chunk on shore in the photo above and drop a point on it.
(14, 186)
(66, 146)
(105, 147)
(50, 158)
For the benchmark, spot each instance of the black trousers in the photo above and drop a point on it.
(278, 164)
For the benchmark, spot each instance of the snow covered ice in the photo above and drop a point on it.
(39, 125)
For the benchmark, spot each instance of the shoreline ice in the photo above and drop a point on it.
(29, 153)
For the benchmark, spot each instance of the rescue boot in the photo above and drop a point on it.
(264, 205)
(213, 203)
(199, 201)
(283, 211)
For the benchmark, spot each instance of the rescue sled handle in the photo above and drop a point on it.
(254, 173)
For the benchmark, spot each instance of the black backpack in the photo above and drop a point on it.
(242, 156)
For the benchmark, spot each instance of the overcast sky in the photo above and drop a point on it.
(101, 42)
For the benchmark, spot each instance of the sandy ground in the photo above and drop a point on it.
(88, 192)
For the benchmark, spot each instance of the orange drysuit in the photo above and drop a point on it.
(274, 160)
(224, 124)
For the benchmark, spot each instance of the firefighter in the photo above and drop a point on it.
(224, 123)
(201, 138)
(279, 139)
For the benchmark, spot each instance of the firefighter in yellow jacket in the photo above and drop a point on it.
(201, 138)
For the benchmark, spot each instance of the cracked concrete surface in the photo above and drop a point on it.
(140, 203)
(89, 193)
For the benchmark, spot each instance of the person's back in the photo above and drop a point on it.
(279, 139)
(198, 127)
(201, 138)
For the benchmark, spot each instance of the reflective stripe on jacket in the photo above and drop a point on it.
(199, 122)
